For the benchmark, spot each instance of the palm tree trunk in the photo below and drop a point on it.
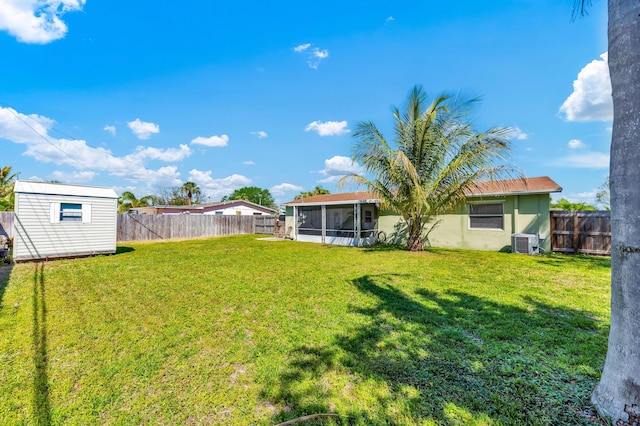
(415, 241)
(619, 388)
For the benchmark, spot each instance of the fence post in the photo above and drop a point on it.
(576, 232)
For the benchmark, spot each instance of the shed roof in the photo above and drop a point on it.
(27, 187)
(534, 185)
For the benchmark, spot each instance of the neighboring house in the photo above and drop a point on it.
(54, 220)
(233, 207)
(492, 213)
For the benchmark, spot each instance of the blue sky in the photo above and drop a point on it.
(142, 96)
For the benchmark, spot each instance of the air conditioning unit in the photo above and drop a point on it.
(525, 243)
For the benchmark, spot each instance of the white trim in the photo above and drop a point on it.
(329, 203)
(86, 213)
(54, 212)
(487, 201)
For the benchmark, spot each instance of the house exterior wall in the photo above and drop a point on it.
(35, 237)
(521, 214)
(233, 210)
(230, 209)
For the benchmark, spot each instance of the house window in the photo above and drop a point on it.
(368, 216)
(486, 216)
(238, 213)
(70, 212)
(218, 213)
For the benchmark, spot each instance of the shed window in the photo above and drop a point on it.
(70, 212)
(486, 216)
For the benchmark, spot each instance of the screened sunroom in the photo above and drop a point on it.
(332, 219)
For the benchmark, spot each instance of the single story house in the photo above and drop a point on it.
(54, 220)
(232, 207)
(492, 213)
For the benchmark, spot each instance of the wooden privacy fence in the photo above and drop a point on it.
(264, 224)
(581, 232)
(6, 224)
(135, 227)
(164, 227)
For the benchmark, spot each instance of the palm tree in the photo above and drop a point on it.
(318, 190)
(191, 191)
(437, 158)
(128, 201)
(7, 180)
(617, 396)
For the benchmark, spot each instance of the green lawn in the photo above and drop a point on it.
(239, 331)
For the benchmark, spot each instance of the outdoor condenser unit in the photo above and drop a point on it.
(525, 243)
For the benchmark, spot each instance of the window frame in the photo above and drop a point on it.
(473, 215)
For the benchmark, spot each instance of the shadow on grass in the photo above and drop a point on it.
(382, 247)
(448, 357)
(5, 274)
(562, 260)
(41, 405)
(124, 249)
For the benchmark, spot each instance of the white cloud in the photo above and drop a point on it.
(338, 166)
(217, 188)
(13, 127)
(279, 190)
(143, 129)
(328, 128)
(589, 160)
(314, 54)
(390, 19)
(211, 141)
(320, 54)
(32, 131)
(261, 134)
(302, 47)
(248, 163)
(110, 129)
(168, 155)
(591, 98)
(517, 133)
(73, 177)
(36, 21)
(575, 144)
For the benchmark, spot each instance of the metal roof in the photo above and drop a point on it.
(27, 187)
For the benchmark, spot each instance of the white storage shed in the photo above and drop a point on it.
(55, 220)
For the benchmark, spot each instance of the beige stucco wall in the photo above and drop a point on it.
(522, 214)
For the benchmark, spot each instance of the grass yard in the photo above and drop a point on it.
(239, 331)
